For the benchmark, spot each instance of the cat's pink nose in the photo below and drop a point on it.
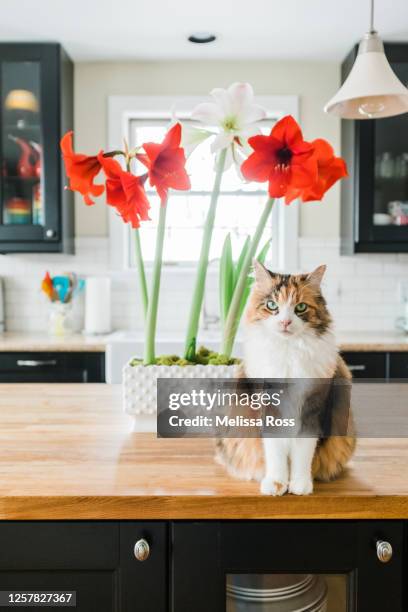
(285, 323)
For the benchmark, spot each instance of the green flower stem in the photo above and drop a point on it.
(198, 294)
(151, 318)
(138, 247)
(231, 324)
(141, 271)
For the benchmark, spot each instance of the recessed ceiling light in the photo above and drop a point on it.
(201, 38)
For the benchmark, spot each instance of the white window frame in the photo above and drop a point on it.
(123, 109)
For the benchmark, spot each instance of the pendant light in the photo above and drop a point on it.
(371, 90)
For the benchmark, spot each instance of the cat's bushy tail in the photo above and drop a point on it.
(331, 456)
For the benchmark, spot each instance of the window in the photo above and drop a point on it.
(239, 204)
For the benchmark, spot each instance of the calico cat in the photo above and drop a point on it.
(288, 334)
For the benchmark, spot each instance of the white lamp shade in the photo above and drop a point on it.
(372, 90)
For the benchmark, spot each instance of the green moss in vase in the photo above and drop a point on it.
(204, 356)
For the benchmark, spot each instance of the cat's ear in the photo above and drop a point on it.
(315, 277)
(263, 277)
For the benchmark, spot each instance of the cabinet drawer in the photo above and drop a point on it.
(52, 367)
(366, 365)
(398, 365)
(58, 546)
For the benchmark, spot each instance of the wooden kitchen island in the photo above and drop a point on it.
(122, 521)
(68, 452)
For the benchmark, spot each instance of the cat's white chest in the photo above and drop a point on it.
(268, 355)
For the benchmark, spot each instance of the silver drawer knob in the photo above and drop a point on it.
(384, 551)
(142, 550)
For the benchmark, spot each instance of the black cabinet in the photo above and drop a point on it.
(40, 367)
(92, 565)
(367, 364)
(373, 364)
(398, 365)
(222, 566)
(36, 109)
(249, 566)
(374, 199)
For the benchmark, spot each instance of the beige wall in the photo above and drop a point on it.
(314, 82)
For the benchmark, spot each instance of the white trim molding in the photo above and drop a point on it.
(123, 109)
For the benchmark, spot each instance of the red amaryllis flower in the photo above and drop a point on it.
(283, 158)
(125, 192)
(166, 163)
(81, 170)
(329, 170)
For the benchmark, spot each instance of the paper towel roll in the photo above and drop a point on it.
(97, 305)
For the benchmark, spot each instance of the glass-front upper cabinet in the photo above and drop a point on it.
(22, 144)
(374, 207)
(36, 213)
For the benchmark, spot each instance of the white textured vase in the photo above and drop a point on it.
(140, 382)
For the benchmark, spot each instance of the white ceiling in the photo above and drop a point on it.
(157, 29)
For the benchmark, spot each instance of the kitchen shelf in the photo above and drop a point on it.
(18, 128)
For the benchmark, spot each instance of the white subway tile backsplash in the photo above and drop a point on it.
(369, 268)
(362, 291)
(367, 285)
(397, 268)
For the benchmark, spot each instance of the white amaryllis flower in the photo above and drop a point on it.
(192, 136)
(233, 114)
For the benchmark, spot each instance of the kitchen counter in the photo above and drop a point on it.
(67, 452)
(372, 341)
(22, 341)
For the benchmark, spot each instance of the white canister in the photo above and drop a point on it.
(97, 305)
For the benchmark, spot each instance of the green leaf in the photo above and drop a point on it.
(261, 258)
(264, 251)
(241, 258)
(244, 298)
(226, 280)
(231, 324)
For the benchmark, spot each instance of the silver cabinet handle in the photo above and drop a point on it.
(384, 551)
(34, 363)
(142, 550)
(357, 368)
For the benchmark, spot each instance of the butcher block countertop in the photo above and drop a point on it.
(68, 452)
(25, 341)
(372, 341)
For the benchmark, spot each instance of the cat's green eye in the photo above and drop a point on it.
(272, 306)
(301, 307)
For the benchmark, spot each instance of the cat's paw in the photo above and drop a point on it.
(301, 486)
(271, 486)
